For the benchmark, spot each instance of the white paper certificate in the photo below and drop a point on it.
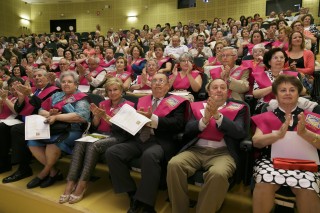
(295, 147)
(92, 137)
(10, 121)
(128, 119)
(35, 128)
(84, 88)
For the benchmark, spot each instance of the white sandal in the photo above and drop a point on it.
(64, 199)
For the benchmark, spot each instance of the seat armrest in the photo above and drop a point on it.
(246, 145)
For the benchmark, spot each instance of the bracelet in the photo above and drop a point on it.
(316, 139)
(30, 96)
(85, 75)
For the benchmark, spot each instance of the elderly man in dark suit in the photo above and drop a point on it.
(214, 137)
(154, 143)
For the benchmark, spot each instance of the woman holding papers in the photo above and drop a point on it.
(275, 126)
(187, 78)
(143, 81)
(6, 110)
(85, 154)
(67, 107)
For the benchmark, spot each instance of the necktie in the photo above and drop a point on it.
(36, 92)
(155, 104)
(146, 131)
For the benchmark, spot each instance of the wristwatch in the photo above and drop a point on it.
(316, 139)
(30, 96)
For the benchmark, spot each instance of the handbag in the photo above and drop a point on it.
(293, 164)
(59, 127)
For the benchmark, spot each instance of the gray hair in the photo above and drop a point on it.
(44, 72)
(234, 50)
(186, 55)
(73, 74)
(154, 60)
(96, 59)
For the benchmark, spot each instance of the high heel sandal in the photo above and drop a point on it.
(65, 198)
(76, 198)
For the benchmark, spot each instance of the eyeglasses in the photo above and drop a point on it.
(297, 25)
(62, 64)
(158, 81)
(184, 61)
(67, 82)
(226, 56)
(151, 65)
(276, 58)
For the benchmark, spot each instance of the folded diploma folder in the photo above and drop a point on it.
(293, 164)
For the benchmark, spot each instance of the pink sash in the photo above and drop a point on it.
(138, 61)
(106, 105)
(264, 81)
(144, 86)
(6, 112)
(250, 46)
(211, 59)
(167, 105)
(111, 62)
(72, 65)
(84, 81)
(28, 108)
(47, 104)
(268, 121)
(123, 76)
(183, 83)
(236, 74)
(278, 43)
(211, 132)
(163, 61)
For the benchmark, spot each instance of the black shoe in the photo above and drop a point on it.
(51, 180)
(4, 169)
(135, 206)
(35, 182)
(18, 175)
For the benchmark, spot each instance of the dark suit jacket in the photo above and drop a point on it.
(34, 101)
(234, 132)
(168, 127)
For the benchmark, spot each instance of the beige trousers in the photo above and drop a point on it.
(220, 167)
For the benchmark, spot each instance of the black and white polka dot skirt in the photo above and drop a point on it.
(263, 172)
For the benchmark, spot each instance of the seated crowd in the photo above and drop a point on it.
(190, 79)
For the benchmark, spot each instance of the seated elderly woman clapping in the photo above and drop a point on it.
(143, 81)
(67, 107)
(187, 78)
(86, 155)
(296, 125)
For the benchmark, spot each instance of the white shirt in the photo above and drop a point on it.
(175, 51)
(208, 143)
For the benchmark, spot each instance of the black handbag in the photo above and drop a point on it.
(59, 127)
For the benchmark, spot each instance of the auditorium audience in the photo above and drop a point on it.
(95, 61)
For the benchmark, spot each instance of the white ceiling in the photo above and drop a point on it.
(57, 2)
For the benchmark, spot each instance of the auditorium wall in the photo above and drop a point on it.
(114, 13)
(15, 17)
